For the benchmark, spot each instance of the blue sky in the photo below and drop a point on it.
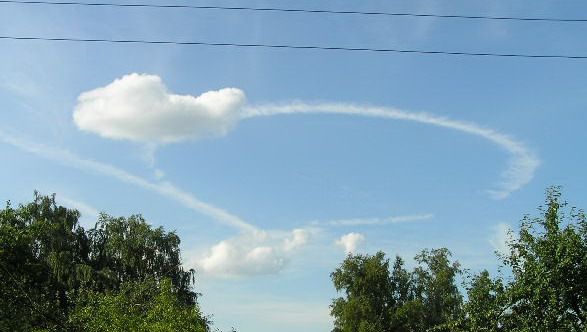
(265, 204)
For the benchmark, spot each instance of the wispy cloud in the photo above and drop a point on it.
(521, 167)
(375, 221)
(166, 189)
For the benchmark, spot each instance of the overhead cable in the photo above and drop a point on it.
(300, 10)
(298, 47)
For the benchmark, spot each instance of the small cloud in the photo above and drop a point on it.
(138, 107)
(299, 238)
(254, 253)
(501, 238)
(350, 242)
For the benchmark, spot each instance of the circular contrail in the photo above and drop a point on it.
(521, 167)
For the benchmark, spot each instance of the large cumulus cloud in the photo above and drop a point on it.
(139, 107)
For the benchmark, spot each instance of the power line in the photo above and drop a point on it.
(301, 10)
(297, 47)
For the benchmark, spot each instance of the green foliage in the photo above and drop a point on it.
(549, 264)
(435, 286)
(137, 307)
(485, 307)
(129, 249)
(124, 275)
(47, 261)
(43, 255)
(368, 289)
(547, 289)
(379, 300)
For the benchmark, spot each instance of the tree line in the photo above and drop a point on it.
(120, 275)
(542, 286)
(123, 274)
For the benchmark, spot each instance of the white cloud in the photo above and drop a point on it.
(521, 168)
(299, 238)
(350, 242)
(253, 253)
(139, 107)
(376, 221)
(501, 237)
(165, 189)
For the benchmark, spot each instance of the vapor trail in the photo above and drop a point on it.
(166, 189)
(521, 168)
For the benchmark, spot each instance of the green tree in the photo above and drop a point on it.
(549, 265)
(547, 290)
(379, 300)
(435, 286)
(433, 299)
(129, 249)
(43, 260)
(138, 307)
(47, 260)
(401, 283)
(408, 314)
(486, 308)
(368, 293)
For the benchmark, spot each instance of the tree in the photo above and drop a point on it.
(435, 286)
(47, 261)
(408, 315)
(401, 283)
(547, 290)
(377, 300)
(43, 259)
(549, 266)
(129, 249)
(138, 307)
(486, 306)
(433, 300)
(368, 294)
